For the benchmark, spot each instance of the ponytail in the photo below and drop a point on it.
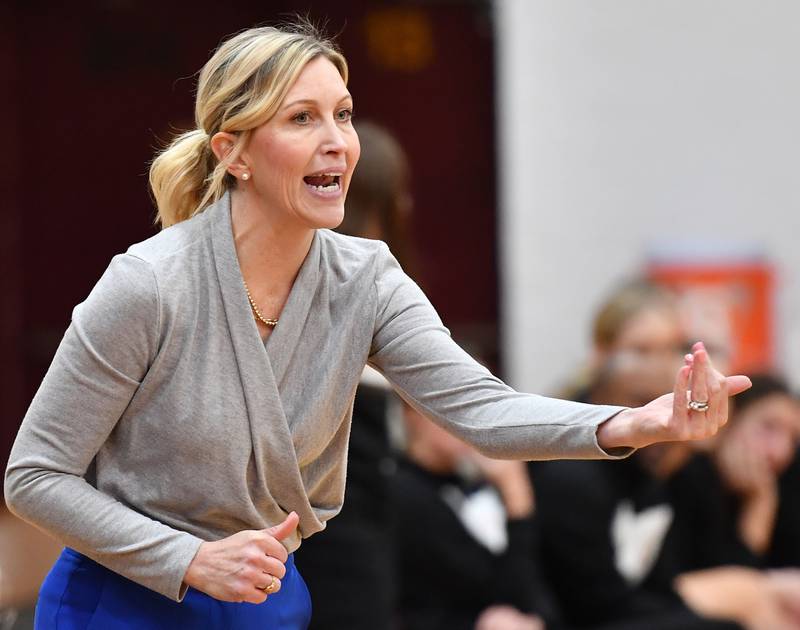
(184, 178)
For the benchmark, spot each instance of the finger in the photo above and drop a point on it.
(270, 545)
(700, 375)
(265, 582)
(715, 397)
(285, 529)
(724, 406)
(253, 593)
(679, 394)
(269, 564)
(737, 384)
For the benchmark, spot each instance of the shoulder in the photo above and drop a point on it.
(350, 253)
(173, 241)
(132, 282)
(358, 264)
(351, 256)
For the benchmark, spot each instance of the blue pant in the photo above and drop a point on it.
(79, 594)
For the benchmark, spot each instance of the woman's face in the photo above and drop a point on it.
(771, 426)
(641, 362)
(653, 334)
(302, 159)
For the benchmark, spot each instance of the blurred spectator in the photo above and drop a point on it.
(746, 494)
(464, 536)
(360, 537)
(607, 529)
(742, 505)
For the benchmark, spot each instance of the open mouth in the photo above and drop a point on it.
(324, 182)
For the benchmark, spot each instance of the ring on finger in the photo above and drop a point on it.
(269, 587)
(697, 405)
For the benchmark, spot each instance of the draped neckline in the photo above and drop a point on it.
(263, 365)
(279, 344)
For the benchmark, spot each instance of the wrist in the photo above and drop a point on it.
(191, 577)
(619, 431)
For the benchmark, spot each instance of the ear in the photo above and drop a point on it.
(222, 143)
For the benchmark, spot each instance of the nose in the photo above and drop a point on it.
(333, 140)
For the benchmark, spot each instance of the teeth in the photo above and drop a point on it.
(331, 188)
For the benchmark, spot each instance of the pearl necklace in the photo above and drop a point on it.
(267, 321)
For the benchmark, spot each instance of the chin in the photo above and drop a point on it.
(330, 220)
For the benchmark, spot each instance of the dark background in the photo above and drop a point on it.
(90, 90)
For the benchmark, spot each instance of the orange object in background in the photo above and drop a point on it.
(727, 305)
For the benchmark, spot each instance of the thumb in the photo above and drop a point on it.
(737, 384)
(282, 530)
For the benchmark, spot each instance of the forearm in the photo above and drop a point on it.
(620, 431)
(442, 382)
(98, 526)
(735, 593)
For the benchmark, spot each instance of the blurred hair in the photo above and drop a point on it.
(239, 88)
(627, 301)
(378, 195)
(764, 385)
(623, 304)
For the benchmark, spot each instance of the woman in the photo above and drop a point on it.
(740, 502)
(743, 496)
(193, 425)
(756, 476)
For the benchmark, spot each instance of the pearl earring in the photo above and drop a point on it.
(245, 176)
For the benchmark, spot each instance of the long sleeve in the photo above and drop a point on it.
(414, 351)
(104, 356)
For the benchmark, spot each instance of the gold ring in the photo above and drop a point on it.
(696, 405)
(269, 587)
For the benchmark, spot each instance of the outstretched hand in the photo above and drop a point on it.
(669, 417)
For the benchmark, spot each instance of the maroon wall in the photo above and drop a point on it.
(94, 86)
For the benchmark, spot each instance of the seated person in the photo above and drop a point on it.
(742, 501)
(608, 530)
(464, 536)
(755, 474)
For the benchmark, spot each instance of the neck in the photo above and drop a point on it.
(270, 252)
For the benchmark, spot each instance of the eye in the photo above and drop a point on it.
(343, 115)
(302, 118)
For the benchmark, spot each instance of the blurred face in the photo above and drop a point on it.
(770, 426)
(642, 362)
(441, 451)
(641, 366)
(653, 334)
(302, 159)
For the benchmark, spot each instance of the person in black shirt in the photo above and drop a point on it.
(608, 529)
(464, 536)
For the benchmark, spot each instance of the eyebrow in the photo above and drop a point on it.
(311, 101)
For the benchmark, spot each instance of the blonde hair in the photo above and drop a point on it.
(239, 88)
(625, 303)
